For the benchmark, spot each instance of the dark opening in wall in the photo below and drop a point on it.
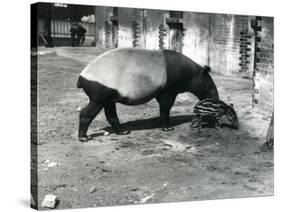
(176, 36)
(175, 23)
(115, 27)
(176, 14)
(115, 11)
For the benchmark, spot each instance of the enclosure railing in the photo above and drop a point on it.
(61, 29)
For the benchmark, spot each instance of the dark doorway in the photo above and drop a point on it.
(115, 26)
(175, 30)
(115, 34)
(176, 37)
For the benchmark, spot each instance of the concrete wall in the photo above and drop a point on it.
(223, 51)
(154, 18)
(196, 36)
(148, 22)
(125, 17)
(263, 90)
(227, 43)
(212, 39)
(102, 15)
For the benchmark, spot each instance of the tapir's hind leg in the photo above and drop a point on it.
(112, 118)
(86, 116)
(166, 102)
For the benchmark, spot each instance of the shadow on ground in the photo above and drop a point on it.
(152, 123)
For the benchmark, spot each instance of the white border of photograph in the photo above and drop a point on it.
(15, 103)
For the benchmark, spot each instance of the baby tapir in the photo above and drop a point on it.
(211, 110)
(135, 76)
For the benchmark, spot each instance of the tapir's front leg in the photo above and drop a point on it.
(86, 116)
(166, 102)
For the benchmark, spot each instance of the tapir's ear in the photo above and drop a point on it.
(231, 105)
(206, 69)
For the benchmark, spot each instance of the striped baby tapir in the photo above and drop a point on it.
(210, 111)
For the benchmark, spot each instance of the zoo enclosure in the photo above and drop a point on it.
(55, 20)
(233, 45)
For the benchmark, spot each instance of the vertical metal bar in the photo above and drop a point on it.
(66, 31)
(58, 28)
(48, 25)
(61, 31)
(54, 24)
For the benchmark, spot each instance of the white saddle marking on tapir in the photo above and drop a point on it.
(134, 73)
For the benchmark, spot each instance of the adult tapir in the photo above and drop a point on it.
(135, 76)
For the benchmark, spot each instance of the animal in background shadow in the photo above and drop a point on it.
(77, 32)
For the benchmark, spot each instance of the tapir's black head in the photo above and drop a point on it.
(204, 86)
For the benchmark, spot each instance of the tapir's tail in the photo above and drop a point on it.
(79, 84)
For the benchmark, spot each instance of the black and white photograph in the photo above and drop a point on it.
(133, 106)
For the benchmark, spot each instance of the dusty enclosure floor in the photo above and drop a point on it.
(147, 165)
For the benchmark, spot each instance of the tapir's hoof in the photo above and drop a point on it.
(166, 129)
(123, 132)
(83, 139)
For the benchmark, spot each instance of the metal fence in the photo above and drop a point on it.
(61, 29)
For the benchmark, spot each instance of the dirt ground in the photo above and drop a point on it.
(148, 165)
